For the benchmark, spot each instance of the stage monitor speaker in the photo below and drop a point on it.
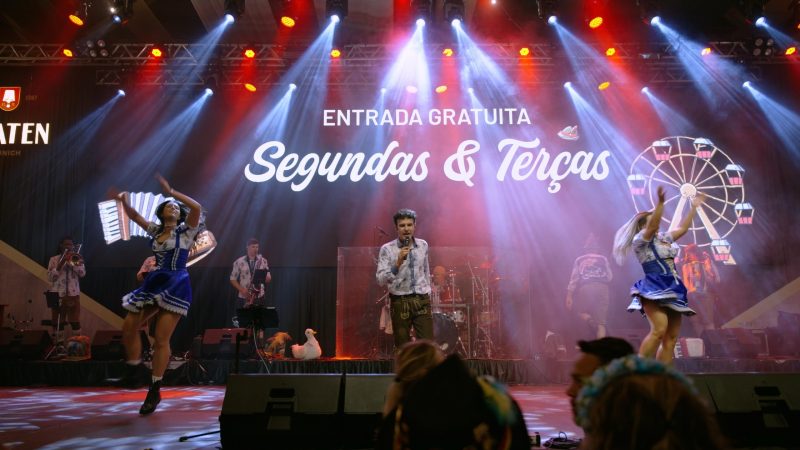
(754, 410)
(364, 396)
(107, 345)
(284, 410)
(28, 344)
(732, 343)
(220, 343)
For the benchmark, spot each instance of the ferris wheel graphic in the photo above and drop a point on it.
(686, 166)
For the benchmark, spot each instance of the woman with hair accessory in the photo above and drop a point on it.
(636, 403)
(166, 293)
(660, 295)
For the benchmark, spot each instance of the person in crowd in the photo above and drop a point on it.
(701, 277)
(249, 290)
(638, 403)
(166, 293)
(594, 354)
(661, 295)
(404, 268)
(412, 362)
(64, 271)
(444, 406)
(587, 291)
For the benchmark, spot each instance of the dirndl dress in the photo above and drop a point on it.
(661, 282)
(168, 286)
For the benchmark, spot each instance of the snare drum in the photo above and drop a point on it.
(444, 332)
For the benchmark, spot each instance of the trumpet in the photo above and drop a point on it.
(71, 256)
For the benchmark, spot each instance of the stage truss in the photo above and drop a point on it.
(360, 64)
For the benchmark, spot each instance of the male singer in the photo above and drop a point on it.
(404, 269)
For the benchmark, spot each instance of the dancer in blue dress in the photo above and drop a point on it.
(660, 295)
(166, 293)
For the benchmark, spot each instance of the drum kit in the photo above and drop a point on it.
(463, 323)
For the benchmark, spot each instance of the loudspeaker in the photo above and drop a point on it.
(281, 411)
(220, 343)
(754, 410)
(364, 396)
(107, 345)
(731, 342)
(28, 344)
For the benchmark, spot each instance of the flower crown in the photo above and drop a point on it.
(626, 365)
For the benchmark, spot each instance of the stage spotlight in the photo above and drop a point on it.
(121, 10)
(604, 85)
(292, 86)
(208, 92)
(422, 10)
(546, 8)
(420, 23)
(156, 52)
(383, 91)
(288, 22)
(746, 85)
(335, 18)
(524, 51)
(655, 21)
(645, 90)
(706, 51)
(454, 12)
(568, 85)
(440, 89)
(67, 52)
(611, 51)
(411, 89)
(447, 52)
(249, 53)
(336, 8)
(761, 21)
(250, 87)
(455, 23)
(234, 9)
(790, 51)
(471, 91)
(552, 20)
(120, 92)
(595, 22)
(336, 53)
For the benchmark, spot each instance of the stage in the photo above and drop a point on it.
(194, 372)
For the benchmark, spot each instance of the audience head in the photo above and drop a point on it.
(635, 403)
(595, 354)
(415, 359)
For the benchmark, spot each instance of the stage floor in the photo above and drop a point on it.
(103, 418)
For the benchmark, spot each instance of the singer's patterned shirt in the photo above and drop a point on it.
(412, 277)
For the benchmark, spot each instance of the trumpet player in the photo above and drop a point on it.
(64, 271)
(249, 291)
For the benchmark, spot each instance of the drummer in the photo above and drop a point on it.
(442, 291)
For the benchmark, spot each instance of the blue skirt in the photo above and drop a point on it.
(168, 289)
(666, 289)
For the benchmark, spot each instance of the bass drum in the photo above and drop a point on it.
(445, 333)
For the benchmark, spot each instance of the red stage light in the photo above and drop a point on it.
(250, 87)
(595, 22)
(287, 21)
(67, 52)
(76, 20)
(440, 89)
(524, 51)
(447, 52)
(791, 50)
(611, 51)
(156, 52)
(604, 85)
(250, 53)
(706, 51)
(335, 53)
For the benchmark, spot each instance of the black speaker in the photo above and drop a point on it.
(220, 343)
(364, 396)
(281, 411)
(28, 344)
(731, 343)
(754, 410)
(107, 345)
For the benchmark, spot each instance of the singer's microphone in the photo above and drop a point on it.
(406, 241)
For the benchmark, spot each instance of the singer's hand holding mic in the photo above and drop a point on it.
(404, 251)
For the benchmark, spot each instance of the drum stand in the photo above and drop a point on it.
(483, 344)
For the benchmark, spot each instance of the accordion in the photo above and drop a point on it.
(118, 226)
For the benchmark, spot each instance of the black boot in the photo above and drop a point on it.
(152, 400)
(134, 377)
